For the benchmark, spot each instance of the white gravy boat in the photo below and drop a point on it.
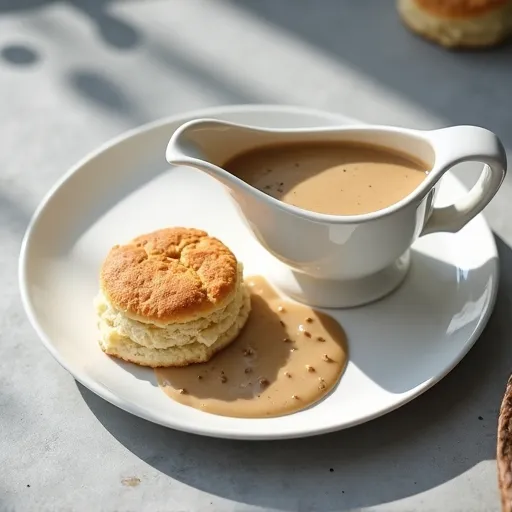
(344, 261)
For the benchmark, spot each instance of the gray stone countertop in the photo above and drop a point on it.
(75, 73)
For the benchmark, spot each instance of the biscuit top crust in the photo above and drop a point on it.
(460, 8)
(172, 275)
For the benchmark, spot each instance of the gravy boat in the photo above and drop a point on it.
(344, 261)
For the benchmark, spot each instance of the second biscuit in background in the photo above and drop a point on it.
(459, 23)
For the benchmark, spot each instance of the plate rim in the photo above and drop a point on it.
(111, 397)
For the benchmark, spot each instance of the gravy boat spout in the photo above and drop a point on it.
(341, 261)
(207, 144)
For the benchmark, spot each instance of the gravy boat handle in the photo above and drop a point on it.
(459, 144)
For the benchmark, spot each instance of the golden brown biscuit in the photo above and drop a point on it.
(459, 23)
(170, 275)
(170, 298)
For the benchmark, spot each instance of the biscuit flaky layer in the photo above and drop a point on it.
(113, 343)
(170, 275)
(205, 330)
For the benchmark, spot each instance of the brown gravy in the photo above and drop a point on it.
(330, 178)
(287, 357)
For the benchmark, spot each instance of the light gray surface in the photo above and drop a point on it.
(72, 75)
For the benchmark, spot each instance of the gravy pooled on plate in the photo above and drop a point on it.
(337, 178)
(287, 357)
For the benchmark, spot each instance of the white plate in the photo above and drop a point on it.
(399, 347)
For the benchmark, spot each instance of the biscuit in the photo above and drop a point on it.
(459, 23)
(170, 298)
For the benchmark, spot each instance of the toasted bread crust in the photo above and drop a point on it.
(504, 449)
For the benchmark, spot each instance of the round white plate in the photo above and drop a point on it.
(399, 347)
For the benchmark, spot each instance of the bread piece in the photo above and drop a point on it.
(170, 298)
(459, 23)
(504, 449)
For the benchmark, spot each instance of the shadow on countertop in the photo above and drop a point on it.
(414, 449)
(19, 54)
(113, 30)
(101, 87)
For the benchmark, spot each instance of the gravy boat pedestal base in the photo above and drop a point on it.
(326, 293)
